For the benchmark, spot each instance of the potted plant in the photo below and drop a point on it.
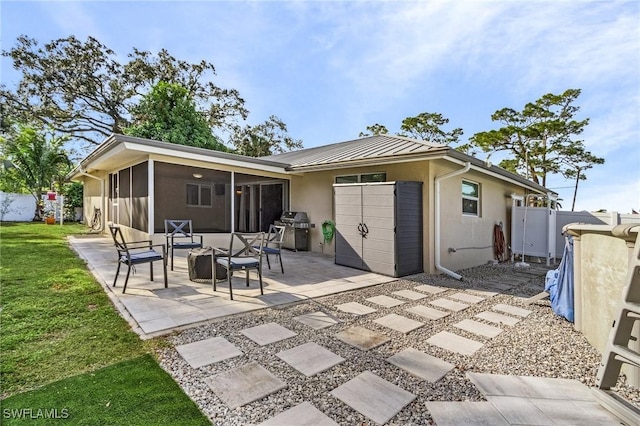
(49, 217)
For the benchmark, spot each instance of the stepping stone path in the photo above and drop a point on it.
(449, 304)
(421, 365)
(245, 384)
(268, 333)
(467, 298)
(427, 312)
(386, 301)
(454, 343)
(399, 323)
(497, 318)
(483, 293)
(430, 289)
(205, 352)
(316, 320)
(373, 397)
(355, 308)
(410, 294)
(301, 414)
(478, 328)
(446, 413)
(310, 358)
(362, 338)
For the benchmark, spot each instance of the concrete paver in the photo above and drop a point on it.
(386, 301)
(317, 320)
(304, 414)
(373, 397)
(410, 294)
(478, 328)
(512, 310)
(420, 364)
(466, 297)
(208, 351)
(427, 312)
(245, 384)
(465, 413)
(310, 358)
(355, 308)
(268, 333)
(454, 343)
(430, 289)
(449, 304)
(362, 338)
(399, 323)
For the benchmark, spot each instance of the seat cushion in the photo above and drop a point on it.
(270, 250)
(142, 257)
(238, 262)
(186, 245)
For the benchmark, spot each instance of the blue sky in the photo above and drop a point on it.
(330, 68)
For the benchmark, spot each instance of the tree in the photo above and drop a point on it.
(38, 158)
(577, 160)
(264, 139)
(375, 129)
(427, 126)
(168, 113)
(539, 137)
(81, 89)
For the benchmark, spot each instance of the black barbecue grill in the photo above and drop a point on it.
(296, 232)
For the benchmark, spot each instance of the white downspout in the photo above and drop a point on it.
(102, 207)
(438, 179)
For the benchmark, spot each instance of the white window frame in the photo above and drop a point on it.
(200, 187)
(468, 197)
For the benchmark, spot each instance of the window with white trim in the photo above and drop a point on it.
(362, 178)
(470, 198)
(199, 195)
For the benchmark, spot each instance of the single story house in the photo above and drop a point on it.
(138, 183)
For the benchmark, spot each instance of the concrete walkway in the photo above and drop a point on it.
(153, 310)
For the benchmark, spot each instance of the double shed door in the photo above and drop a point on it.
(365, 227)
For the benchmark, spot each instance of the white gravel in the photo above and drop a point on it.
(541, 344)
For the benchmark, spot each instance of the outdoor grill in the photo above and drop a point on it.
(296, 233)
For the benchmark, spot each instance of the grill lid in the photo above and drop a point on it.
(294, 217)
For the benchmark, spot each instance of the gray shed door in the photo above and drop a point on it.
(348, 210)
(378, 215)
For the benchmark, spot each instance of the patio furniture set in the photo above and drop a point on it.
(244, 253)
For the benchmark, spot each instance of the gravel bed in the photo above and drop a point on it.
(541, 344)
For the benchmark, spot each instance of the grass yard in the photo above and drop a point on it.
(58, 323)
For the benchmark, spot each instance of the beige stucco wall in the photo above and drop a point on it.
(471, 236)
(92, 190)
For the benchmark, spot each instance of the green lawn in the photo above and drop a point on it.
(57, 322)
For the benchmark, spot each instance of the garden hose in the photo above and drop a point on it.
(328, 229)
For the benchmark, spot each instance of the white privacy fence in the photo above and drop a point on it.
(17, 207)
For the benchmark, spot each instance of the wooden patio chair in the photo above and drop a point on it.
(135, 253)
(244, 254)
(179, 236)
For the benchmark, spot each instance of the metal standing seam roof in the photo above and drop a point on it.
(372, 147)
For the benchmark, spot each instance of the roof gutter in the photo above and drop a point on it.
(439, 179)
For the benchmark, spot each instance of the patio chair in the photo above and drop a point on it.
(273, 244)
(245, 253)
(135, 253)
(179, 235)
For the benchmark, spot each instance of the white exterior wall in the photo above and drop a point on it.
(17, 207)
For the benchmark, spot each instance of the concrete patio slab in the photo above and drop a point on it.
(386, 301)
(399, 323)
(310, 358)
(209, 351)
(520, 411)
(454, 343)
(242, 385)
(512, 310)
(317, 320)
(355, 308)
(362, 338)
(497, 318)
(304, 414)
(268, 333)
(576, 412)
(431, 289)
(427, 312)
(373, 397)
(449, 304)
(478, 328)
(421, 365)
(466, 297)
(531, 387)
(410, 294)
(465, 413)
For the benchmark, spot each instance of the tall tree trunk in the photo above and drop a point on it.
(575, 191)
